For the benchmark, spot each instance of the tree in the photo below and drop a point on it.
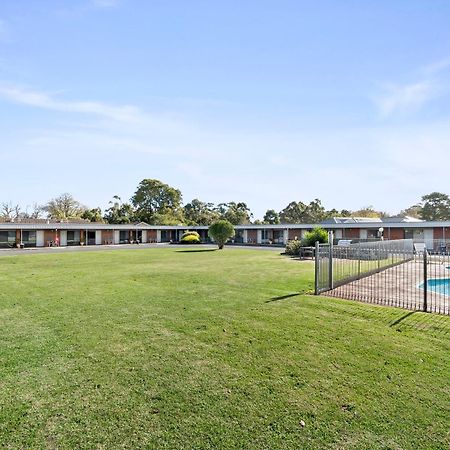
(200, 213)
(368, 211)
(64, 207)
(271, 217)
(221, 231)
(235, 213)
(435, 206)
(299, 212)
(93, 215)
(119, 212)
(156, 202)
(9, 211)
(293, 213)
(413, 211)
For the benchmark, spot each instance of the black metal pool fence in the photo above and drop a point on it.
(401, 273)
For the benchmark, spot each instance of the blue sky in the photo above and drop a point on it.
(257, 101)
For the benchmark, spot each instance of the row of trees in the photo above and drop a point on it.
(155, 202)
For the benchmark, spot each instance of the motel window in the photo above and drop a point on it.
(73, 237)
(29, 238)
(123, 236)
(7, 238)
(409, 234)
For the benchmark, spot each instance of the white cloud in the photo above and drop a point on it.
(43, 100)
(346, 167)
(405, 98)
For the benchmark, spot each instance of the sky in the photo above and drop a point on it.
(257, 101)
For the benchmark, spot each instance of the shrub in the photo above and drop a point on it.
(311, 237)
(190, 237)
(293, 248)
(221, 231)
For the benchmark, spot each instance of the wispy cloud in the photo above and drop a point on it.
(405, 98)
(125, 113)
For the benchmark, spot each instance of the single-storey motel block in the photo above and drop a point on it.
(45, 233)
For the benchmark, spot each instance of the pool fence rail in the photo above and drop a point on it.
(402, 273)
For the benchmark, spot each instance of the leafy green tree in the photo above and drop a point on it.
(64, 207)
(119, 212)
(317, 234)
(435, 206)
(235, 213)
(200, 213)
(93, 215)
(293, 213)
(368, 211)
(220, 232)
(299, 212)
(413, 211)
(156, 202)
(271, 217)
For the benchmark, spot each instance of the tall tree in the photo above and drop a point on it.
(119, 212)
(156, 202)
(10, 211)
(413, 211)
(235, 213)
(435, 206)
(299, 212)
(368, 211)
(200, 213)
(93, 215)
(63, 207)
(271, 217)
(293, 212)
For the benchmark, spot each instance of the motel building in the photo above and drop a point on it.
(49, 233)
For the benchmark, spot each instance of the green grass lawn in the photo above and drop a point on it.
(180, 349)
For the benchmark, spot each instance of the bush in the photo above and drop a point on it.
(190, 237)
(293, 248)
(221, 231)
(311, 237)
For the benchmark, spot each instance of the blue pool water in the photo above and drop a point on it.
(439, 285)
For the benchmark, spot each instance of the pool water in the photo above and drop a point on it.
(439, 285)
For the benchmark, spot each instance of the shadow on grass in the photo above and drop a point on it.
(404, 320)
(283, 297)
(197, 250)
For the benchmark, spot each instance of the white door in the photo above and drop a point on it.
(63, 238)
(428, 238)
(144, 236)
(39, 238)
(98, 237)
(116, 236)
(362, 233)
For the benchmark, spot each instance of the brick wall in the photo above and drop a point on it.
(107, 236)
(394, 233)
(350, 233)
(252, 236)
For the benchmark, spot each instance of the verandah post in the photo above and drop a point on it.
(316, 272)
(330, 260)
(425, 280)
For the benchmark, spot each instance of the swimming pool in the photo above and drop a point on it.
(438, 285)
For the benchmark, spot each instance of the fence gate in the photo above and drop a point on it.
(394, 273)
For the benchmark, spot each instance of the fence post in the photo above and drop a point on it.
(425, 280)
(330, 260)
(316, 279)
